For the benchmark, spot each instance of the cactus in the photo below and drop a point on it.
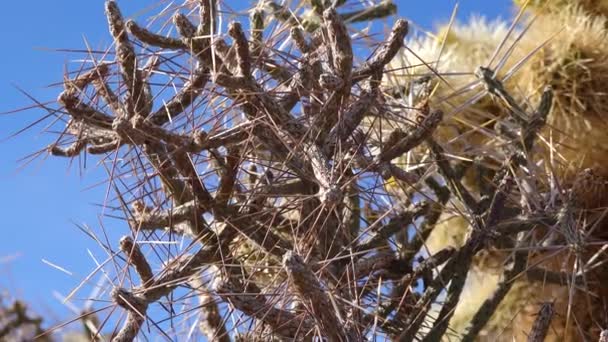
(278, 185)
(569, 151)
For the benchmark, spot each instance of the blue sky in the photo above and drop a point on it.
(42, 203)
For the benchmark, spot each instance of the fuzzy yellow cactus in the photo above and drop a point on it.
(594, 7)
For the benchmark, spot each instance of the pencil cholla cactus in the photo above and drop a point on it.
(277, 184)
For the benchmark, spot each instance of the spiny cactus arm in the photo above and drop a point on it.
(452, 180)
(385, 169)
(137, 131)
(351, 119)
(542, 323)
(281, 322)
(299, 40)
(402, 293)
(207, 11)
(256, 21)
(283, 13)
(163, 164)
(184, 98)
(423, 304)
(385, 54)
(414, 138)
(103, 148)
(243, 57)
(310, 292)
(136, 308)
(146, 219)
(428, 264)
(367, 266)
(538, 119)
(141, 130)
(380, 10)
(139, 98)
(474, 243)
(70, 151)
(154, 39)
(376, 11)
(82, 111)
(188, 32)
(107, 94)
(91, 137)
(300, 87)
(136, 258)
(397, 223)
(211, 323)
(339, 49)
(193, 143)
(77, 84)
(489, 306)
(399, 174)
(228, 176)
(431, 217)
(496, 88)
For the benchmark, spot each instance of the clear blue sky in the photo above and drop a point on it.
(42, 203)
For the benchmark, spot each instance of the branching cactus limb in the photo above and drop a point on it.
(171, 154)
